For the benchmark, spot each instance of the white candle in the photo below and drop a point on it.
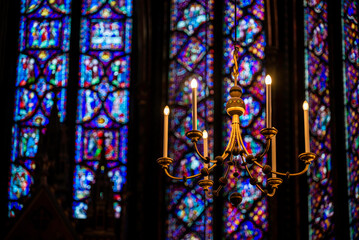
(205, 149)
(274, 156)
(166, 112)
(306, 125)
(194, 104)
(268, 81)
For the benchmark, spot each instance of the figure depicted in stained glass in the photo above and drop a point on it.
(107, 35)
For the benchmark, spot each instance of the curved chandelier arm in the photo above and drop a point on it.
(261, 189)
(214, 165)
(272, 193)
(306, 157)
(200, 155)
(249, 173)
(261, 155)
(240, 140)
(216, 192)
(258, 164)
(264, 191)
(197, 151)
(180, 178)
(293, 174)
(273, 183)
(223, 180)
(268, 133)
(189, 177)
(230, 144)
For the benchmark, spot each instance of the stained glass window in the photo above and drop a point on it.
(249, 219)
(103, 98)
(191, 56)
(321, 209)
(351, 89)
(42, 73)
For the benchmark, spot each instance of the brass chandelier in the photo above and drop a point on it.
(235, 149)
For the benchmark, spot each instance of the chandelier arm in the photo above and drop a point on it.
(239, 136)
(218, 189)
(214, 165)
(227, 172)
(232, 139)
(197, 151)
(249, 173)
(169, 175)
(224, 176)
(260, 188)
(294, 174)
(272, 193)
(268, 143)
(180, 178)
(257, 184)
(225, 155)
(258, 164)
(286, 174)
(230, 143)
(265, 191)
(244, 163)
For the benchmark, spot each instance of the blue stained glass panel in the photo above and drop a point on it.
(44, 35)
(103, 98)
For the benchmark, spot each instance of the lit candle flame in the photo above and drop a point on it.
(194, 83)
(166, 111)
(268, 79)
(205, 134)
(305, 106)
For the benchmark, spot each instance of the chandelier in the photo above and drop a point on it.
(235, 152)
